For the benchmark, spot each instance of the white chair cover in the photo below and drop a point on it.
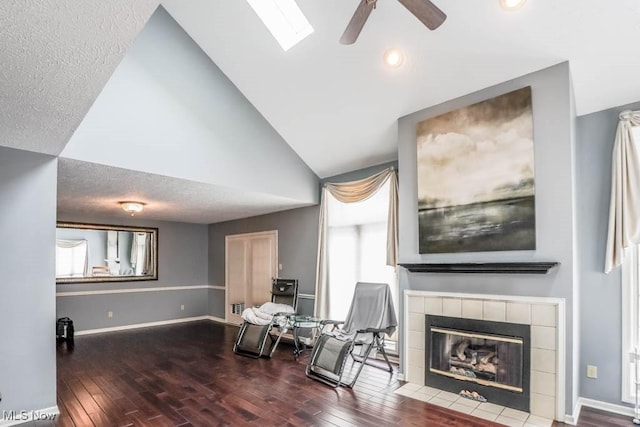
(371, 307)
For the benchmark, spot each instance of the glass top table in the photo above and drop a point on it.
(303, 322)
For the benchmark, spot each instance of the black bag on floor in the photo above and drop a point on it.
(64, 330)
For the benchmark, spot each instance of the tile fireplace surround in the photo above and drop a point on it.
(545, 315)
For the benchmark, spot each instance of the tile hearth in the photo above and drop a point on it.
(488, 411)
(544, 315)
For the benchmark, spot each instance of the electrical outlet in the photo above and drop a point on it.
(110, 314)
(181, 307)
(280, 267)
(592, 371)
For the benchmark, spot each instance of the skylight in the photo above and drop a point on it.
(284, 19)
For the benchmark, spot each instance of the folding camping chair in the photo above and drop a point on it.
(252, 337)
(370, 316)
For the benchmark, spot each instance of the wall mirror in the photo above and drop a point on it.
(105, 253)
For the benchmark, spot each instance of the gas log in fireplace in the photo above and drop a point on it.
(480, 359)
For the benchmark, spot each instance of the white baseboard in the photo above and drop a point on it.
(605, 406)
(142, 325)
(218, 319)
(21, 417)
(573, 418)
(597, 404)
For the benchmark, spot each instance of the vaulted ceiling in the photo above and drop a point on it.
(336, 106)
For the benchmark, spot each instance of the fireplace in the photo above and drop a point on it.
(545, 360)
(485, 360)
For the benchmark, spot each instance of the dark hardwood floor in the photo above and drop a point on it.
(187, 375)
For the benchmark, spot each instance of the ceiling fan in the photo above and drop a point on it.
(428, 13)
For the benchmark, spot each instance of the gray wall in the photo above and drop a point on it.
(553, 150)
(27, 292)
(216, 303)
(297, 243)
(171, 111)
(182, 261)
(600, 294)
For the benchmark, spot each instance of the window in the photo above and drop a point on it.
(284, 19)
(630, 322)
(71, 258)
(357, 243)
(630, 307)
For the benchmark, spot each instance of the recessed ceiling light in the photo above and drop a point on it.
(393, 57)
(284, 19)
(511, 4)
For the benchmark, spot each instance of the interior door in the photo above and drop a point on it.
(262, 269)
(251, 261)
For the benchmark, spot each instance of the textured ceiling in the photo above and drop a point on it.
(56, 56)
(337, 106)
(95, 190)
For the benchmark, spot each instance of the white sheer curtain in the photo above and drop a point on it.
(630, 322)
(357, 242)
(72, 258)
(141, 259)
(624, 210)
(350, 192)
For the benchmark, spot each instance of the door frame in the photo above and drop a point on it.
(245, 236)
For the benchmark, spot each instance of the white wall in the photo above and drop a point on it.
(27, 291)
(169, 110)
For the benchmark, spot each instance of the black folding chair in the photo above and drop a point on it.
(370, 317)
(252, 338)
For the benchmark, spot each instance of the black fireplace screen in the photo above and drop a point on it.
(485, 359)
(489, 360)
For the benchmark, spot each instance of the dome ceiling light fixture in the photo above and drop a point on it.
(132, 207)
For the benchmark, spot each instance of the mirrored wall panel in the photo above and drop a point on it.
(105, 253)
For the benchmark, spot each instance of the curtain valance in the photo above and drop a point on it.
(351, 192)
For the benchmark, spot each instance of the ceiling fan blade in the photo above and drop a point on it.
(428, 13)
(358, 19)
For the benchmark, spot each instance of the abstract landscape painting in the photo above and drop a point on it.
(475, 177)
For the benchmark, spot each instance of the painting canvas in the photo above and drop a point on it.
(475, 177)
